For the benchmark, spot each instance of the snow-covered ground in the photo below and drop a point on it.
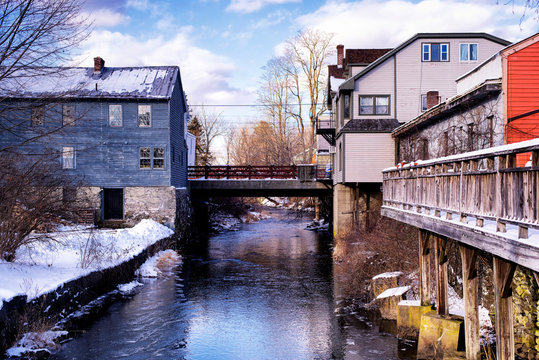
(162, 263)
(75, 252)
(227, 222)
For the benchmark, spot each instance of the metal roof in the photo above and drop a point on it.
(151, 82)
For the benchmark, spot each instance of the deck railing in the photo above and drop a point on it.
(484, 185)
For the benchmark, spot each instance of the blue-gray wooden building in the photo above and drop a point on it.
(119, 130)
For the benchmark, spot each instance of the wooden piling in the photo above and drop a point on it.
(424, 268)
(471, 302)
(505, 338)
(442, 304)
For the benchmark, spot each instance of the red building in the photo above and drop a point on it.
(520, 85)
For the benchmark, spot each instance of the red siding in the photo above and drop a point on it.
(523, 95)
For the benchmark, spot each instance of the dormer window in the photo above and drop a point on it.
(435, 52)
(346, 111)
(373, 105)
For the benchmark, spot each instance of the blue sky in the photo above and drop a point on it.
(221, 45)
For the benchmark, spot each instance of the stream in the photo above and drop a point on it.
(265, 291)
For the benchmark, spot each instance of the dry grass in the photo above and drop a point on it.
(167, 261)
(388, 246)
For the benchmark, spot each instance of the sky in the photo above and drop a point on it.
(222, 45)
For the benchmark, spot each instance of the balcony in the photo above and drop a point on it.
(325, 126)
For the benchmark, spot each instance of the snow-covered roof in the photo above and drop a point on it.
(334, 82)
(152, 82)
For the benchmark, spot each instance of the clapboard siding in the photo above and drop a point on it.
(367, 154)
(377, 82)
(415, 77)
(178, 165)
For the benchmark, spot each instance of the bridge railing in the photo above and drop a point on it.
(258, 172)
(486, 185)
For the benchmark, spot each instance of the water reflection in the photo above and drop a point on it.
(264, 292)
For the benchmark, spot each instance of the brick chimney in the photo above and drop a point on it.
(340, 55)
(99, 65)
(432, 99)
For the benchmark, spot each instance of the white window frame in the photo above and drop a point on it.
(424, 102)
(68, 157)
(426, 49)
(143, 109)
(469, 48)
(112, 121)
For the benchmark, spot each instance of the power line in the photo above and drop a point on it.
(247, 105)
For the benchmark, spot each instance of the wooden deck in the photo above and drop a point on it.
(484, 201)
(479, 198)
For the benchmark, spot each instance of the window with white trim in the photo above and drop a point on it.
(115, 115)
(68, 115)
(435, 52)
(144, 116)
(468, 52)
(68, 157)
(424, 102)
(374, 105)
(346, 106)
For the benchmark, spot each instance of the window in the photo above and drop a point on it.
(152, 158)
(37, 116)
(145, 158)
(159, 158)
(468, 52)
(68, 115)
(424, 102)
(115, 115)
(435, 52)
(68, 157)
(373, 105)
(346, 106)
(144, 116)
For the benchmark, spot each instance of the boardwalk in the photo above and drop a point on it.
(485, 202)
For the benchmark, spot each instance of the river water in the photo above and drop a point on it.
(263, 292)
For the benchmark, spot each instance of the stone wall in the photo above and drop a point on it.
(525, 311)
(155, 202)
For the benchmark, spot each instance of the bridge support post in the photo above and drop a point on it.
(424, 268)
(471, 302)
(440, 256)
(503, 299)
(344, 206)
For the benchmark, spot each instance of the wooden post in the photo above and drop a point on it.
(442, 304)
(424, 267)
(505, 338)
(471, 302)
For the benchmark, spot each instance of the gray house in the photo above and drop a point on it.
(120, 131)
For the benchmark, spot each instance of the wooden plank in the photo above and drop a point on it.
(522, 253)
(471, 302)
(442, 303)
(424, 268)
(505, 341)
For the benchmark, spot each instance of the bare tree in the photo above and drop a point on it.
(36, 37)
(307, 54)
(211, 127)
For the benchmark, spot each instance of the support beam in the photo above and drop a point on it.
(471, 302)
(424, 267)
(442, 304)
(505, 338)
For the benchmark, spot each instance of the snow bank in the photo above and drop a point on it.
(77, 251)
(162, 262)
(33, 342)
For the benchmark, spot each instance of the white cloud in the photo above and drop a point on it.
(374, 23)
(249, 6)
(205, 75)
(106, 18)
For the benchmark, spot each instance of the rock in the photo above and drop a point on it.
(388, 300)
(382, 282)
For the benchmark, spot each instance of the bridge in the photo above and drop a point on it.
(238, 181)
(486, 203)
